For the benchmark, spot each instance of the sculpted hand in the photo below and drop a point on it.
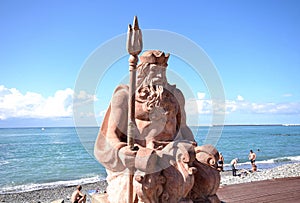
(127, 156)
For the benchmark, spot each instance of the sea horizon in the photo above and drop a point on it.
(204, 125)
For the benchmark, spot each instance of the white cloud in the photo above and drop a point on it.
(201, 95)
(102, 113)
(199, 105)
(206, 106)
(240, 98)
(83, 97)
(87, 115)
(275, 108)
(287, 95)
(14, 104)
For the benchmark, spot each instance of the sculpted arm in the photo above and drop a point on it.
(112, 135)
(117, 121)
(184, 131)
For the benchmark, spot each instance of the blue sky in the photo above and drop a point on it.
(254, 45)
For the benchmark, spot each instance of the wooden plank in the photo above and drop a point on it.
(276, 190)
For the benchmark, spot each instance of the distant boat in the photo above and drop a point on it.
(43, 129)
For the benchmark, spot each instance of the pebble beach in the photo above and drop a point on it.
(49, 195)
(284, 171)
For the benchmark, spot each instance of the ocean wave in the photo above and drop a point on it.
(4, 162)
(277, 160)
(34, 186)
(283, 159)
(285, 134)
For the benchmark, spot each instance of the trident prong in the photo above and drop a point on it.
(134, 38)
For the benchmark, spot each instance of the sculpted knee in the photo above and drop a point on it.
(207, 154)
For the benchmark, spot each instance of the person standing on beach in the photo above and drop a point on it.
(78, 196)
(233, 164)
(252, 157)
(220, 162)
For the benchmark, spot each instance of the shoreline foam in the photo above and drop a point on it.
(43, 186)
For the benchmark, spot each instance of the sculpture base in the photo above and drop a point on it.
(100, 198)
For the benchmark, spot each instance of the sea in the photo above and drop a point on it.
(41, 158)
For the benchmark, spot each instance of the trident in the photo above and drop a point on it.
(134, 47)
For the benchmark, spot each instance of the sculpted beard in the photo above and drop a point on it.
(147, 90)
(151, 95)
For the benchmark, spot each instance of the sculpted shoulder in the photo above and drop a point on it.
(178, 94)
(120, 95)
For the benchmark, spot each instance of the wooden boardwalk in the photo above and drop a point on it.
(275, 191)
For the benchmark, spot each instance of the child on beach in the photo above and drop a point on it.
(78, 196)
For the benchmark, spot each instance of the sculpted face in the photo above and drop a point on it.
(157, 75)
(151, 74)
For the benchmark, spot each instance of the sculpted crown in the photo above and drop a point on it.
(155, 57)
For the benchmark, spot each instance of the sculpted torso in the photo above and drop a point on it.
(156, 118)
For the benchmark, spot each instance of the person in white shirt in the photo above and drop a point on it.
(233, 164)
